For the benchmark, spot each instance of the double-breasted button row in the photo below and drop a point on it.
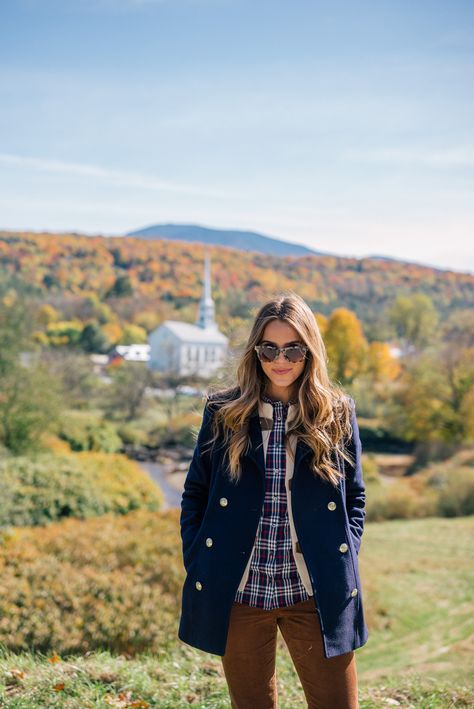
(209, 541)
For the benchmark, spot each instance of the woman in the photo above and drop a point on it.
(272, 516)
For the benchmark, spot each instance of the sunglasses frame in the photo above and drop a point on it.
(304, 349)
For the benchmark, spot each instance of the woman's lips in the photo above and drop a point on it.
(281, 371)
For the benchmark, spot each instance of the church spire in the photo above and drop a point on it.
(206, 305)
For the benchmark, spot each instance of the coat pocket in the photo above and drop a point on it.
(192, 550)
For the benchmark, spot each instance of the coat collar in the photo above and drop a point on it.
(255, 452)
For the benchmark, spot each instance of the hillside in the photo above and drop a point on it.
(66, 266)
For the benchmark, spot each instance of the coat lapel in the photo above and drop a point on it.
(255, 452)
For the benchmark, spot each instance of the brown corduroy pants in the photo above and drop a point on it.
(250, 656)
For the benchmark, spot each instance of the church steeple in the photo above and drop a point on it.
(206, 304)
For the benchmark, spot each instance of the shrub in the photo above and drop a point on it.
(444, 489)
(77, 585)
(86, 432)
(48, 487)
(182, 429)
(132, 434)
(370, 468)
(455, 490)
(398, 499)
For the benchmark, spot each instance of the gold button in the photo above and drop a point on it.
(198, 585)
(343, 547)
(331, 505)
(223, 501)
(209, 542)
(354, 592)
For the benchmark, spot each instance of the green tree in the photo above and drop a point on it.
(73, 370)
(92, 338)
(415, 319)
(127, 391)
(30, 398)
(433, 399)
(122, 288)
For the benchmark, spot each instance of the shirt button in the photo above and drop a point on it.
(331, 505)
(209, 542)
(223, 502)
(198, 585)
(343, 547)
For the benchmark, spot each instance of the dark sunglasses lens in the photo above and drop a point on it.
(295, 354)
(267, 354)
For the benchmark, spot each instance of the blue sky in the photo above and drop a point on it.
(346, 126)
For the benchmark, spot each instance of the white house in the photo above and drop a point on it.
(184, 348)
(133, 353)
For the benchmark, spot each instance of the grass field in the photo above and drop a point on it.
(417, 579)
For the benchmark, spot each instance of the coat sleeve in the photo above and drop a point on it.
(196, 487)
(355, 487)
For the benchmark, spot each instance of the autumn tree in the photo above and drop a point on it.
(133, 334)
(47, 314)
(322, 323)
(380, 364)
(346, 345)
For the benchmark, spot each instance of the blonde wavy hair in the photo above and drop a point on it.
(323, 410)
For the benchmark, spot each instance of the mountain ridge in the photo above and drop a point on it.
(246, 240)
(251, 241)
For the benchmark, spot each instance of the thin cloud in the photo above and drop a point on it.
(451, 157)
(122, 177)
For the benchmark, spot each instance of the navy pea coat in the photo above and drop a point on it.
(219, 521)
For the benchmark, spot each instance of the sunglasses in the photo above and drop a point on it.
(293, 353)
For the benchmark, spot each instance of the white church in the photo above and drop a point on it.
(183, 348)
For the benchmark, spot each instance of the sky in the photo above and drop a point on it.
(341, 125)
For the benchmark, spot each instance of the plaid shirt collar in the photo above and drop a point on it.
(268, 406)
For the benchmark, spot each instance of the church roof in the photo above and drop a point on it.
(192, 333)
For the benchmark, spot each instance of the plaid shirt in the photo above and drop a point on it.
(273, 579)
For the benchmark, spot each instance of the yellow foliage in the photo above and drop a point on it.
(77, 585)
(346, 345)
(55, 444)
(381, 363)
(113, 332)
(47, 314)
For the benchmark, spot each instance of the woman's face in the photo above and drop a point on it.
(281, 373)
